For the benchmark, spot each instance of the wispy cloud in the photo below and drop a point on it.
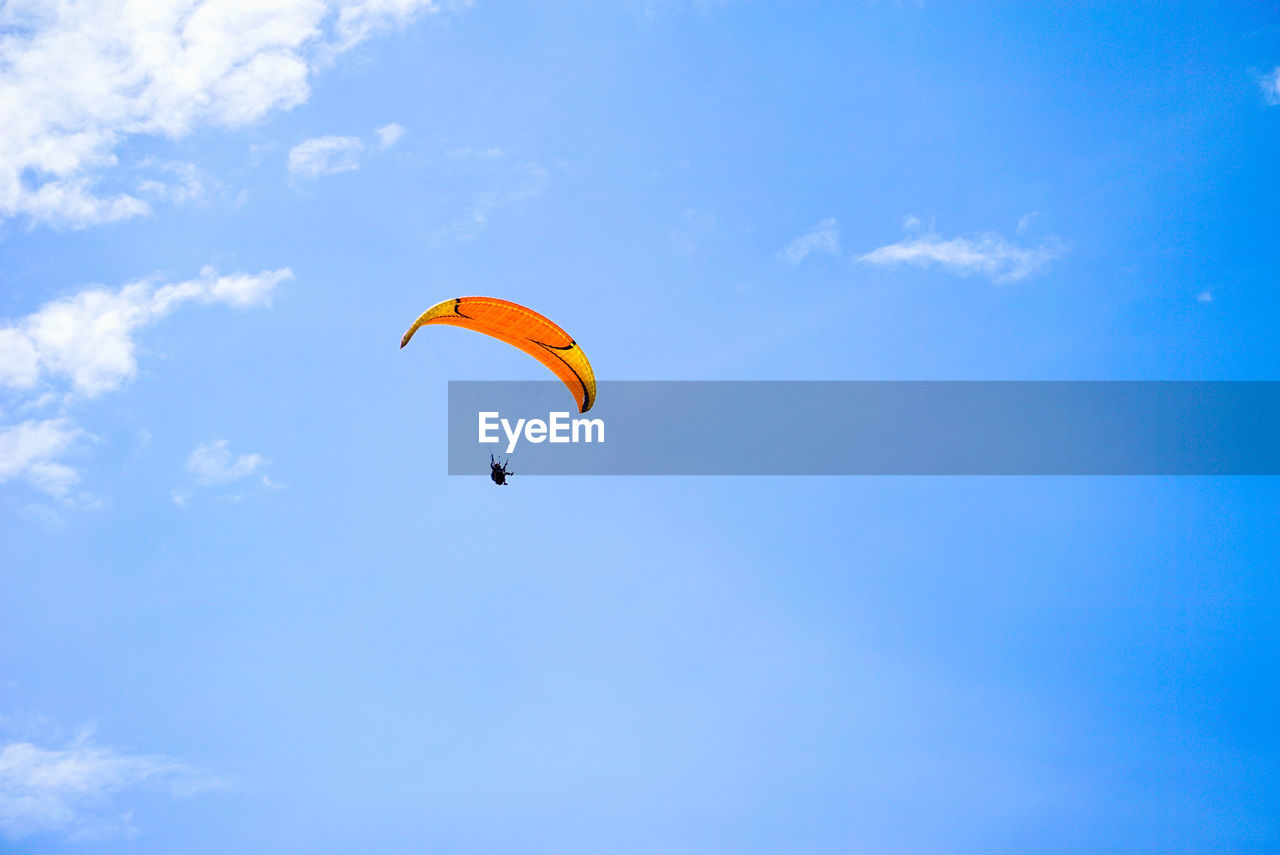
(359, 19)
(78, 79)
(212, 464)
(389, 135)
(30, 451)
(89, 339)
(75, 790)
(184, 183)
(324, 156)
(84, 346)
(695, 226)
(528, 181)
(986, 255)
(825, 237)
(491, 153)
(332, 154)
(1271, 87)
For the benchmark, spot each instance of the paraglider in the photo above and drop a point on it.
(499, 471)
(521, 327)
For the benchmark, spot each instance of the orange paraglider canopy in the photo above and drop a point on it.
(520, 327)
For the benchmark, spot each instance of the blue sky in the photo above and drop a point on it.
(245, 609)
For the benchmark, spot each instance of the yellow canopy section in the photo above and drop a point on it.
(520, 327)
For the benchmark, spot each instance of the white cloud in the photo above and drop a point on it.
(825, 237)
(1205, 297)
(988, 255)
(325, 156)
(19, 359)
(29, 451)
(213, 463)
(1271, 87)
(84, 346)
(358, 19)
(388, 135)
(88, 338)
(188, 184)
(71, 790)
(79, 78)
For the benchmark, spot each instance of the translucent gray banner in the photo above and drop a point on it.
(869, 428)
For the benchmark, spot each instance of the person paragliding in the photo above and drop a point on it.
(523, 328)
(499, 471)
